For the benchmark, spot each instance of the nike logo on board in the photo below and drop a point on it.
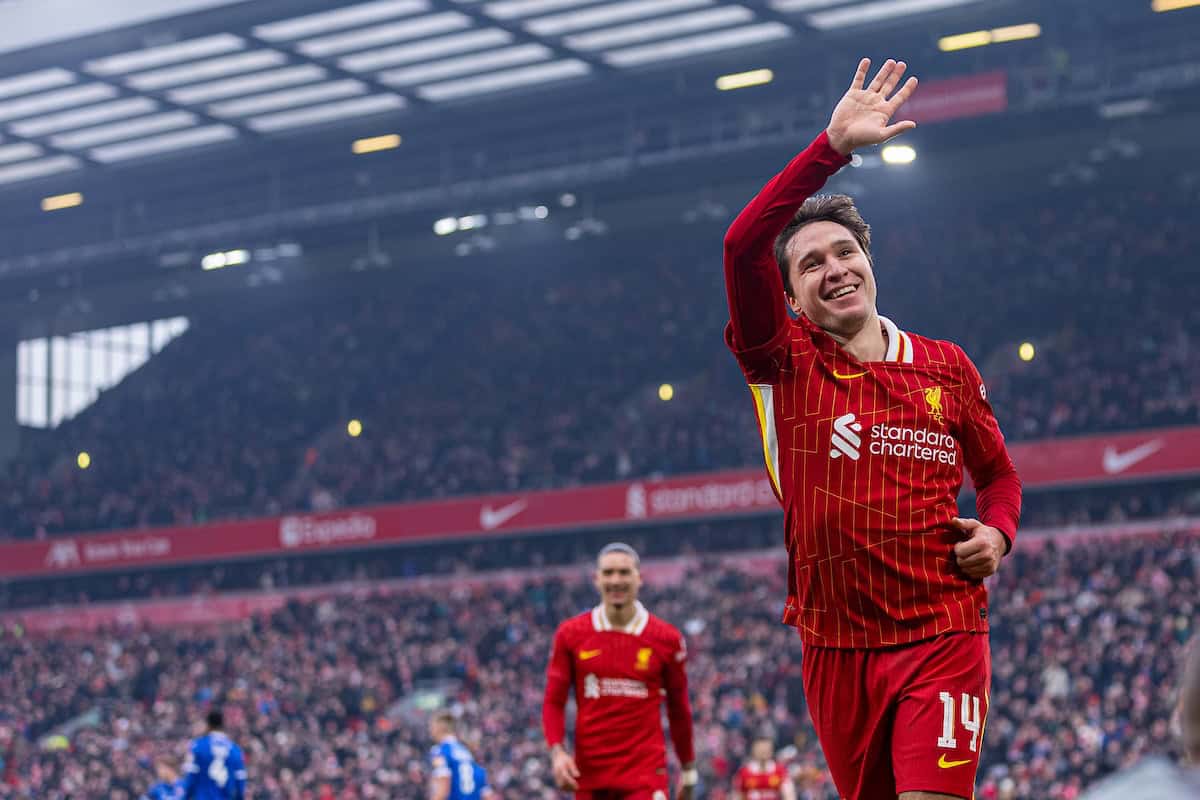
(1116, 462)
(490, 518)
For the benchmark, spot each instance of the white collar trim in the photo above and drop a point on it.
(635, 626)
(899, 346)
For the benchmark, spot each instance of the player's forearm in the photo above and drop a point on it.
(439, 789)
(755, 291)
(998, 499)
(554, 715)
(682, 736)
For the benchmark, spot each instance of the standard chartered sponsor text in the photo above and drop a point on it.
(712, 497)
(918, 443)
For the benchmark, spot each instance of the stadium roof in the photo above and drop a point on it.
(177, 76)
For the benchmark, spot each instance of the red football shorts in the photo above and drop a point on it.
(623, 794)
(901, 719)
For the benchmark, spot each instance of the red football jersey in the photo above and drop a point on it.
(620, 677)
(757, 781)
(866, 458)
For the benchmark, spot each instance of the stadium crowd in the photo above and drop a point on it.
(547, 375)
(328, 697)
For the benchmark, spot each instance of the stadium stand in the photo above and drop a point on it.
(246, 415)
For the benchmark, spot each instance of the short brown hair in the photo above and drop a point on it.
(837, 208)
(446, 718)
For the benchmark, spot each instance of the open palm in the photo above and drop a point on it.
(863, 116)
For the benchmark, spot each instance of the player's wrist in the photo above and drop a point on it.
(838, 142)
(689, 776)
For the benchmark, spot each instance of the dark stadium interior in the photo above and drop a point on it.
(529, 356)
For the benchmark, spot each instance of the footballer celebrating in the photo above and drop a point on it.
(621, 660)
(866, 429)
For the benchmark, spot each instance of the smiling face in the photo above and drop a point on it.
(830, 278)
(618, 580)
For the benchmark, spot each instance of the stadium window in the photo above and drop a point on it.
(60, 376)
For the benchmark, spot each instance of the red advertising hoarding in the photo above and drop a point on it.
(213, 610)
(955, 98)
(1083, 460)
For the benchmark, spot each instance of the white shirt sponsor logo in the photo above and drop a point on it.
(845, 440)
(300, 531)
(1116, 462)
(492, 518)
(622, 687)
(921, 444)
(591, 687)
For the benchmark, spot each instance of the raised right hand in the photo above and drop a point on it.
(861, 117)
(566, 774)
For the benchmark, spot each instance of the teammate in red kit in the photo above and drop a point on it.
(866, 429)
(762, 777)
(621, 660)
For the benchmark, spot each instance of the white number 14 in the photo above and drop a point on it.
(969, 717)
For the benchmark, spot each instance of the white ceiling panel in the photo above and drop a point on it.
(329, 112)
(338, 19)
(40, 168)
(152, 57)
(288, 98)
(694, 45)
(81, 118)
(384, 34)
(126, 129)
(32, 105)
(505, 80)
(467, 65)
(206, 70)
(36, 82)
(646, 31)
(248, 84)
(425, 49)
(164, 143)
(608, 14)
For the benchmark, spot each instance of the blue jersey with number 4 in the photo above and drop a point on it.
(215, 769)
(467, 779)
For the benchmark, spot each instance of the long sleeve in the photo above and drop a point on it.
(558, 683)
(997, 485)
(757, 306)
(679, 707)
(238, 772)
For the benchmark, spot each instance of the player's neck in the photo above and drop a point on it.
(868, 343)
(620, 616)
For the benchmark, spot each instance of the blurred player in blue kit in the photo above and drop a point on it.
(169, 786)
(456, 776)
(215, 769)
